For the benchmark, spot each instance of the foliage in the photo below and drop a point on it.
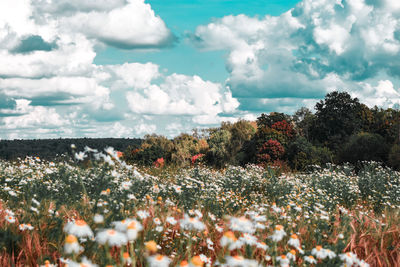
(270, 151)
(152, 148)
(185, 146)
(364, 147)
(394, 157)
(241, 131)
(337, 117)
(268, 120)
(386, 123)
(50, 149)
(300, 154)
(218, 153)
(304, 120)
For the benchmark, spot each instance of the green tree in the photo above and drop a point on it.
(268, 120)
(241, 132)
(218, 154)
(304, 119)
(386, 123)
(394, 157)
(185, 146)
(364, 147)
(338, 116)
(153, 147)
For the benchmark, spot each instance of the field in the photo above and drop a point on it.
(97, 211)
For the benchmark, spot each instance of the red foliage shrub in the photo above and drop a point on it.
(284, 127)
(270, 151)
(159, 162)
(196, 157)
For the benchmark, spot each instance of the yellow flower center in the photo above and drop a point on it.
(184, 263)
(80, 223)
(71, 239)
(230, 235)
(132, 226)
(196, 260)
(239, 258)
(159, 257)
(319, 248)
(151, 246)
(111, 232)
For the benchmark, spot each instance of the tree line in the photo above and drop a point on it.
(50, 149)
(340, 130)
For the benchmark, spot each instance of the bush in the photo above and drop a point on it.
(364, 147)
(270, 151)
(394, 157)
(322, 155)
(301, 154)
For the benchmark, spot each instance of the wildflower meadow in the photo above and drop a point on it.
(96, 210)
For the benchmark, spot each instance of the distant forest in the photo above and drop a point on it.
(340, 130)
(50, 149)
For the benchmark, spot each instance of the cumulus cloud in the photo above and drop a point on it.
(133, 25)
(182, 95)
(128, 75)
(33, 117)
(48, 81)
(144, 128)
(312, 49)
(381, 94)
(70, 7)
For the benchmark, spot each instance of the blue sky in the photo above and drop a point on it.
(126, 68)
(182, 17)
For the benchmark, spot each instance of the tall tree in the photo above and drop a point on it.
(218, 153)
(338, 116)
(303, 119)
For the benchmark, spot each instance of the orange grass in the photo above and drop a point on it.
(377, 244)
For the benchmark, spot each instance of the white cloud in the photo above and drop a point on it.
(55, 67)
(129, 26)
(33, 117)
(134, 75)
(182, 95)
(68, 7)
(143, 128)
(117, 130)
(318, 46)
(74, 57)
(383, 94)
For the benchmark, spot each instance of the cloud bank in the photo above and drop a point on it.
(314, 48)
(50, 87)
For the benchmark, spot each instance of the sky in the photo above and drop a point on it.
(126, 68)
